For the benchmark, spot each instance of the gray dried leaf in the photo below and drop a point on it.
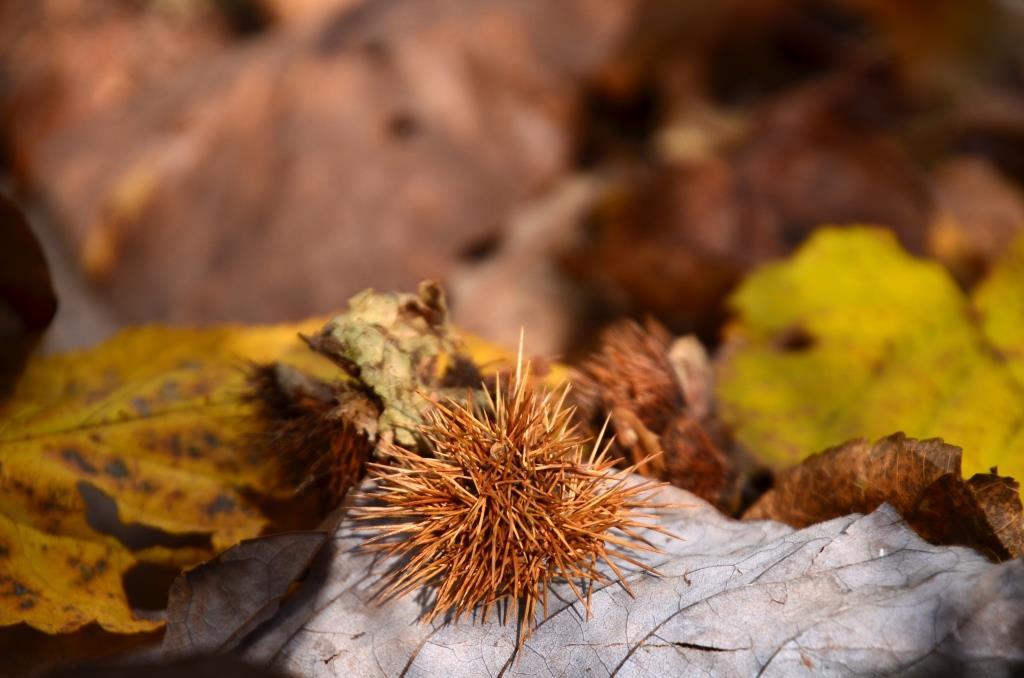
(861, 594)
(215, 605)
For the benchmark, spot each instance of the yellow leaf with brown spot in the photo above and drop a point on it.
(134, 451)
(59, 584)
(854, 338)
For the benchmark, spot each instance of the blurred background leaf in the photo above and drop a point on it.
(852, 337)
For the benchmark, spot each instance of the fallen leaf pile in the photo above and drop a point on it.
(167, 447)
(766, 259)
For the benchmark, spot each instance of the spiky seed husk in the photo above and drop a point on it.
(309, 427)
(695, 463)
(512, 500)
(631, 379)
(632, 369)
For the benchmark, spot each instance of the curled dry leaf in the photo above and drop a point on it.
(853, 338)
(983, 511)
(920, 478)
(135, 451)
(214, 606)
(859, 594)
(658, 394)
(392, 344)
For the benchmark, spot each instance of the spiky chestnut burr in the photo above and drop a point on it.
(512, 499)
(657, 393)
(319, 432)
(631, 380)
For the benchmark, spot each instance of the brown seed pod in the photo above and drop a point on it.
(512, 500)
(630, 370)
(697, 464)
(630, 380)
(658, 395)
(319, 431)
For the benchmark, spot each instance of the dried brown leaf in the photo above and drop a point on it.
(377, 165)
(674, 241)
(921, 478)
(980, 213)
(983, 511)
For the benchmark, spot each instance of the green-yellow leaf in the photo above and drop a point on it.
(852, 337)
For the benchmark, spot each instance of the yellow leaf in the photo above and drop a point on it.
(852, 337)
(151, 426)
(58, 584)
(1000, 303)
